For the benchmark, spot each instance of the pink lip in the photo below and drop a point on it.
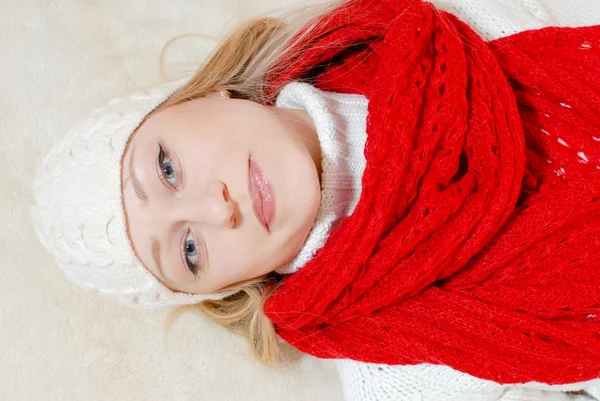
(261, 193)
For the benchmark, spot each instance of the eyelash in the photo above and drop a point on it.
(163, 175)
(192, 267)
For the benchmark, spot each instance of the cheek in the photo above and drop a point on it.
(235, 258)
(216, 157)
(291, 244)
(304, 217)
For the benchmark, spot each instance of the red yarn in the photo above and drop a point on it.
(476, 241)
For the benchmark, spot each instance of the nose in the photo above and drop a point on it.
(215, 208)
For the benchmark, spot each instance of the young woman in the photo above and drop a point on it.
(375, 183)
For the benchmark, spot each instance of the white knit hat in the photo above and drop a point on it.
(78, 212)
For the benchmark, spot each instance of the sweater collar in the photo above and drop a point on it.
(340, 122)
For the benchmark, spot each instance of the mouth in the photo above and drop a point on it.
(261, 194)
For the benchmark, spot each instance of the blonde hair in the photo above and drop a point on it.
(239, 65)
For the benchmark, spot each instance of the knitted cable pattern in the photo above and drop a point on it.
(476, 240)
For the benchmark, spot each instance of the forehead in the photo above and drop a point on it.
(199, 119)
(207, 111)
(148, 129)
(160, 120)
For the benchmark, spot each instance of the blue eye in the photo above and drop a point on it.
(166, 168)
(190, 251)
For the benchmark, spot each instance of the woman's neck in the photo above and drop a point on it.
(304, 127)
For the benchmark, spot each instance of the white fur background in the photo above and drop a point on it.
(58, 61)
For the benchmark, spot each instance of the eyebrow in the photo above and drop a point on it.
(137, 187)
(155, 245)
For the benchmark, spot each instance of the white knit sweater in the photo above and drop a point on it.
(340, 121)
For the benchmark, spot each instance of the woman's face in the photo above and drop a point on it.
(188, 175)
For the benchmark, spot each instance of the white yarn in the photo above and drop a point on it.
(427, 382)
(78, 211)
(340, 122)
(494, 19)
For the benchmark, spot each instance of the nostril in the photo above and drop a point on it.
(230, 206)
(225, 193)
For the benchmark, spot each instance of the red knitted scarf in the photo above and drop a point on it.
(476, 241)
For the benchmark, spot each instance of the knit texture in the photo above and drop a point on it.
(78, 212)
(340, 122)
(426, 382)
(498, 18)
(477, 235)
